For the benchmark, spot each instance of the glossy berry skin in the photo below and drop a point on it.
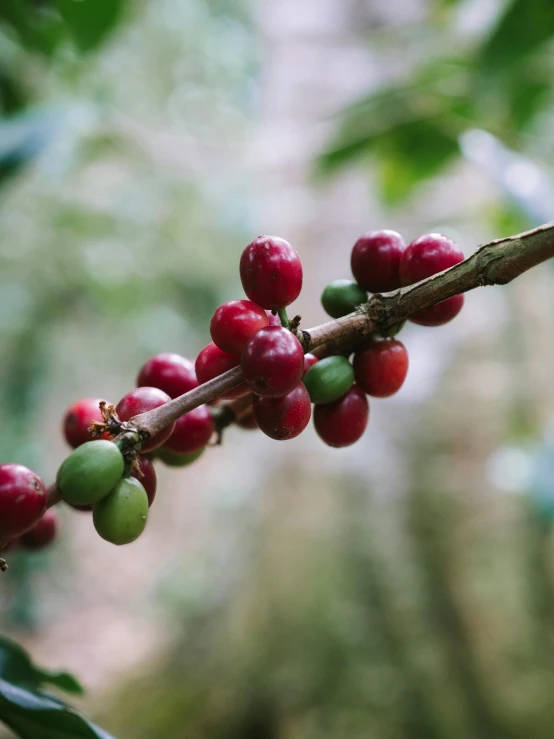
(90, 472)
(148, 480)
(140, 400)
(120, 518)
(273, 362)
(381, 367)
(283, 418)
(192, 431)
(329, 379)
(341, 297)
(423, 257)
(309, 361)
(42, 534)
(234, 322)
(169, 372)
(179, 460)
(375, 260)
(212, 362)
(271, 272)
(22, 499)
(343, 422)
(78, 418)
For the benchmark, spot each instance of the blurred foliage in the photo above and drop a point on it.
(497, 78)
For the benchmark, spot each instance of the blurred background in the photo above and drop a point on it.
(399, 589)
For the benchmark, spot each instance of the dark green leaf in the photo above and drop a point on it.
(38, 28)
(36, 716)
(16, 667)
(523, 27)
(90, 21)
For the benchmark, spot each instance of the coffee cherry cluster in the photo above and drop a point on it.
(111, 470)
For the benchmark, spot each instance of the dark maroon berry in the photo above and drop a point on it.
(212, 362)
(168, 372)
(147, 478)
(283, 418)
(192, 431)
(271, 272)
(309, 361)
(78, 418)
(342, 422)
(381, 367)
(234, 323)
(248, 421)
(375, 260)
(42, 533)
(273, 362)
(11, 545)
(141, 400)
(22, 499)
(423, 257)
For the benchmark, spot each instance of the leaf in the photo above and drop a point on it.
(90, 21)
(524, 26)
(17, 667)
(36, 716)
(38, 28)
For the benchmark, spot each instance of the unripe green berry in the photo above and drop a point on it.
(90, 472)
(120, 518)
(393, 330)
(178, 460)
(329, 379)
(341, 297)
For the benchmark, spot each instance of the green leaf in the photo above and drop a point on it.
(17, 667)
(90, 21)
(38, 28)
(523, 27)
(35, 716)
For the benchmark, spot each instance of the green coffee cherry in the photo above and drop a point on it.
(90, 472)
(393, 331)
(329, 379)
(341, 297)
(178, 460)
(120, 518)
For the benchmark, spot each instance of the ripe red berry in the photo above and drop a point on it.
(234, 322)
(78, 418)
(212, 362)
(248, 421)
(168, 372)
(192, 431)
(273, 319)
(342, 422)
(309, 361)
(148, 479)
(423, 257)
(283, 418)
(375, 260)
(381, 367)
(22, 499)
(273, 362)
(42, 533)
(141, 400)
(271, 272)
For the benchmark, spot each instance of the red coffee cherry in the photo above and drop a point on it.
(273, 320)
(273, 362)
(375, 260)
(78, 418)
(168, 372)
(248, 421)
(22, 499)
(212, 362)
(342, 422)
(234, 322)
(423, 257)
(192, 431)
(271, 272)
(381, 367)
(42, 533)
(283, 418)
(148, 479)
(309, 361)
(140, 400)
